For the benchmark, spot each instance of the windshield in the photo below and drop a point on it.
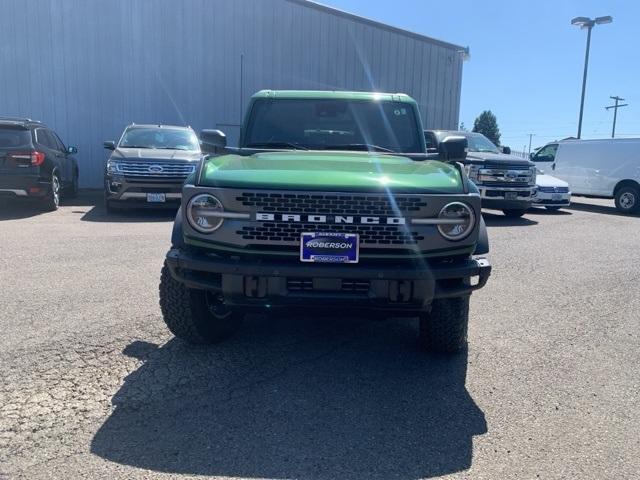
(480, 143)
(334, 124)
(164, 138)
(14, 138)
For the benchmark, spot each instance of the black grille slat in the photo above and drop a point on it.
(378, 205)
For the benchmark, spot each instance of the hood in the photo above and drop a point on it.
(330, 171)
(156, 154)
(498, 159)
(543, 180)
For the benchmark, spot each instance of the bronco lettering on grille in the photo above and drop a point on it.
(295, 218)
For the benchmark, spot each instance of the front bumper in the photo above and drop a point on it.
(547, 199)
(517, 198)
(119, 189)
(262, 283)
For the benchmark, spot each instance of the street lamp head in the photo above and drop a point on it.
(581, 21)
(603, 20)
(586, 22)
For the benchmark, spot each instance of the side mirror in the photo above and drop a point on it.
(531, 155)
(453, 149)
(110, 145)
(72, 150)
(212, 140)
(506, 150)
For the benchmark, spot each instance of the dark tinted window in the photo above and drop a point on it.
(14, 137)
(430, 139)
(59, 143)
(45, 139)
(334, 124)
(164, 138)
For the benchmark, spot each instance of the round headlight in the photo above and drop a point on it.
(201, 213)
(460, 221)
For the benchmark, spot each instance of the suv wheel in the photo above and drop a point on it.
(444, 329)
(195, 316)
(52, 199)
(628, 199)
(514, 213)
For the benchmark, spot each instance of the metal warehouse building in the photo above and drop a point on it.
(88, 68)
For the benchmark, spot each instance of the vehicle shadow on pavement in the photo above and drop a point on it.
(16, 209)
(500, 220)
(604, 209)
(292, 398)
(134, 215)
(546, 211)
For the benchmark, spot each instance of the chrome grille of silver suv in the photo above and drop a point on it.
(156, 170)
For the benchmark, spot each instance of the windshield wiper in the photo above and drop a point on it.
(295, 146)
(359, 146)
(135, 146)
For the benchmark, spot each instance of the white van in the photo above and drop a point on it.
(596, 168)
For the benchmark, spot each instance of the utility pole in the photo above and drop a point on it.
(615, 112)
(530, 135)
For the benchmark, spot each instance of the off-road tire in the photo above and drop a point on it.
(553, 209)
(187, 314)
(511, 213)
(627, 199)
(51, 200)
(444, 328)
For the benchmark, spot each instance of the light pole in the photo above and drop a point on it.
(588, 23)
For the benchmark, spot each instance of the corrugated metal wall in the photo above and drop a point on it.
(88, 67)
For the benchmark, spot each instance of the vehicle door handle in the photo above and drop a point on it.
(553, 166)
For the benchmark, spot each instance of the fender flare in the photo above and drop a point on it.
(177, 236)
(482, 246)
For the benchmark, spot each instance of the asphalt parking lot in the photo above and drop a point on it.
(93, 386)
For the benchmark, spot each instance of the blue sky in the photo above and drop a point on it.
(527, 60)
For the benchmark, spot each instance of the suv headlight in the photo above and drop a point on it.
(203, 213)
(460, 221)
(472, 171)
(112, 167)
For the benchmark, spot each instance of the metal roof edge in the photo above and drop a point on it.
(374, 23)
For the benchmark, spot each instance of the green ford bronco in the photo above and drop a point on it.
(330, 204)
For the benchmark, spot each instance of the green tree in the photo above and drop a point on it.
(487, 124)
(462, 127)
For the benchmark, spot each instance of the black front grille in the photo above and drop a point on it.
(337, 204)
(369, 234)
(500, 193)
(347, 286)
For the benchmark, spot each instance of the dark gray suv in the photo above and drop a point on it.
(148, 166)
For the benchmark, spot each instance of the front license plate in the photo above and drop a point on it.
(322, 247)
(556, 197)
(156, 198)
(510, 195)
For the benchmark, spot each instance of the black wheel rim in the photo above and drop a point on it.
(627, 200)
